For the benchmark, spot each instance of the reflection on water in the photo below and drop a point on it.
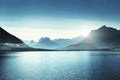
(79, 65)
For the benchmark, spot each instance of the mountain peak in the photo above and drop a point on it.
(1, 28)
(104, 28)
(6, 37)
(2, 31)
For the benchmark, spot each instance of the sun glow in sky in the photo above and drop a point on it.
(33, 19)
(34, 29)
(36, 33)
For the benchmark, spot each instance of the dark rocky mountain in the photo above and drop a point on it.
(8, 41)
(6, 37)
(104, 37)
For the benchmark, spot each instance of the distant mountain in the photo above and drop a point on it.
(104, 37)
(66, 42)
(47, 43)
(8, 41)
(80, 46)
(31, 43)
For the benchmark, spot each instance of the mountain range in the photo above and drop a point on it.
(102, 38)
(47, 43)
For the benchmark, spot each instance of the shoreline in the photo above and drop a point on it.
(25, 50)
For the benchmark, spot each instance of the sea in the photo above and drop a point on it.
(60, 65)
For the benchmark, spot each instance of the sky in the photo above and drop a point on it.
(32, 19)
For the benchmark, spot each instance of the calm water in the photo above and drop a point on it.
(78, 65)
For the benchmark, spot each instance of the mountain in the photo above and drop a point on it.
(66, 42)
(9, 41)
(80, 46)
(103, 37)
(6, 37)
(46, 42)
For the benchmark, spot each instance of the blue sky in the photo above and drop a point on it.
(58, 15)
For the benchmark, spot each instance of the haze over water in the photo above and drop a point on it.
(74, 65)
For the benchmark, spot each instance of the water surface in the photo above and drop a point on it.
(66, 65)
